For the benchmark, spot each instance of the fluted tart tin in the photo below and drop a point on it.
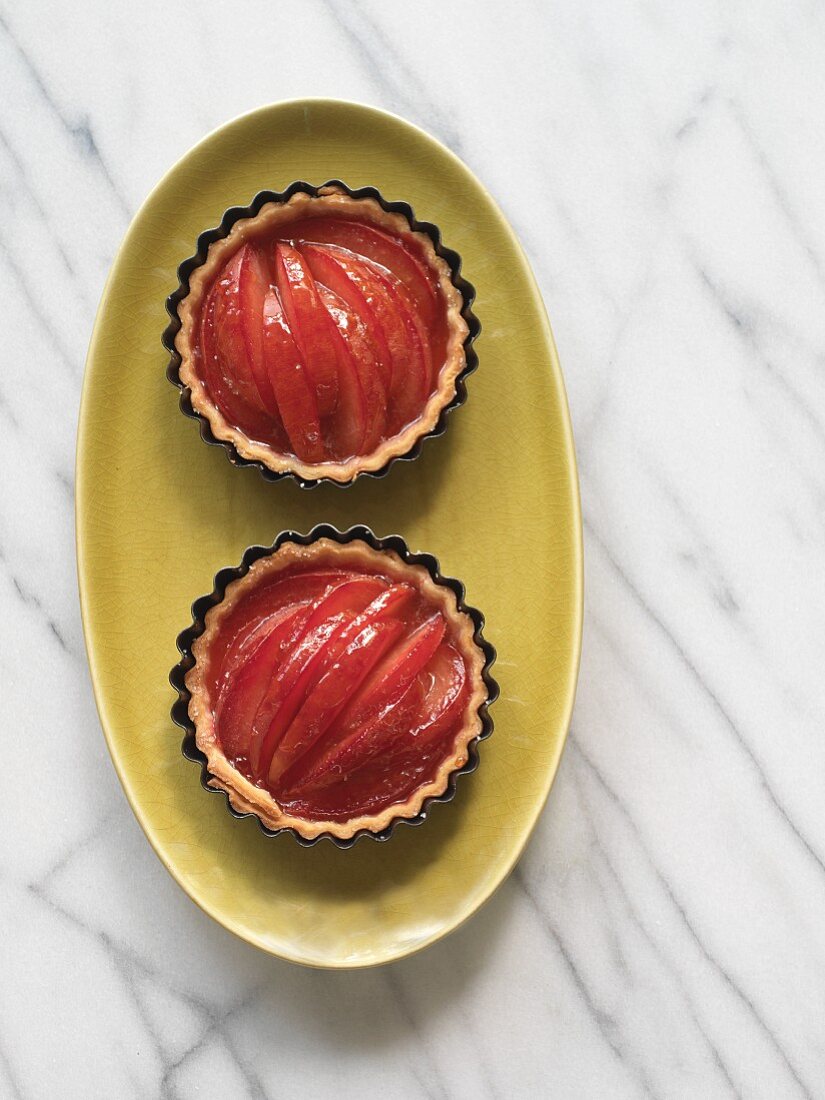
(476, 713)
(449, 385)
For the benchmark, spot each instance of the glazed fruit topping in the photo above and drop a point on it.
(324, 339)
(338, 692)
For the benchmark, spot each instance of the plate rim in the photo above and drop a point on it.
(230, 924)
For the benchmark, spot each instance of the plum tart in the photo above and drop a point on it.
(322, 337)
(335, 687)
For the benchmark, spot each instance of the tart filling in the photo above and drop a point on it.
(335, 687)
(322, 336)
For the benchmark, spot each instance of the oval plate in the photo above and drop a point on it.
(495, 500)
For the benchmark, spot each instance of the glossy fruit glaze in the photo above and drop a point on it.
(323, 337)
(339, 692)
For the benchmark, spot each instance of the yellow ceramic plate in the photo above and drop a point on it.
(495, 499)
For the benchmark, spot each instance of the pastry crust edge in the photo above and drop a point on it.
(271, 215)
(245, 796)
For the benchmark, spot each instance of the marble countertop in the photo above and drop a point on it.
(663, 935)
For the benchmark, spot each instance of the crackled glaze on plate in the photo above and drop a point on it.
(495, 499)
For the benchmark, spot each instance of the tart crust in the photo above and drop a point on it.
(244, 795)
(330, 200)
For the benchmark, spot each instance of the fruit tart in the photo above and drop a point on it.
(336, 686)
(322, 337)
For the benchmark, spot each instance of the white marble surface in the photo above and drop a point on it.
(664, 934)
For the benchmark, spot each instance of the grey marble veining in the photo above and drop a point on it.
(663, 935)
